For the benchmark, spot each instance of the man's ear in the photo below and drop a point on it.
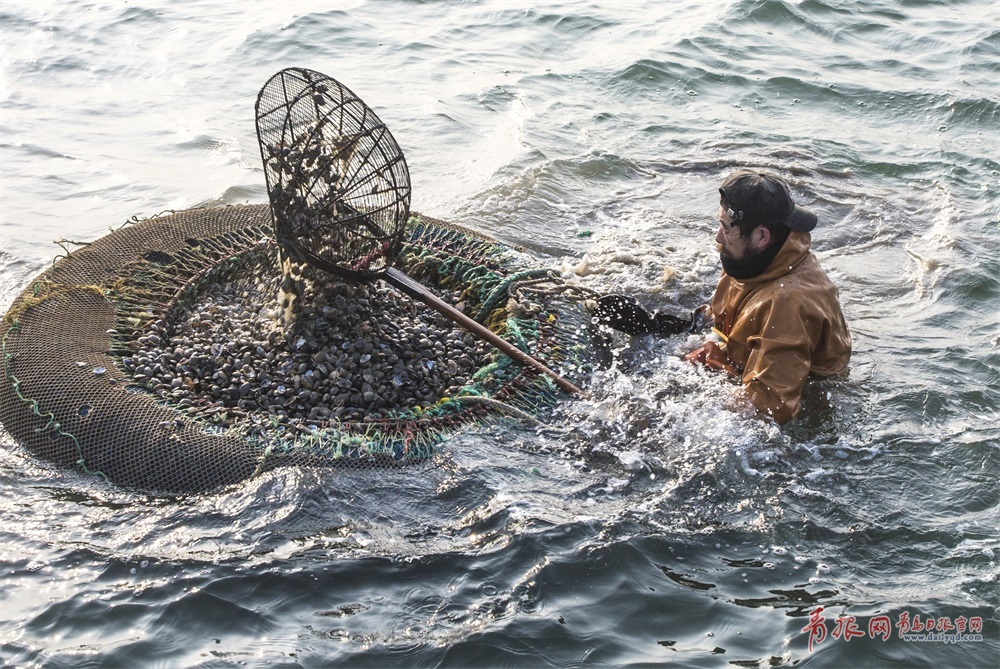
(760, 237)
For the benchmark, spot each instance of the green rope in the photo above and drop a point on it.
(501, 291)
(52, 423)
(503, 407)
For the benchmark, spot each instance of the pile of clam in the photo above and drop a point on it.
(355, 351)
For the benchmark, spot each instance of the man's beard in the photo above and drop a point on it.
(751, 264)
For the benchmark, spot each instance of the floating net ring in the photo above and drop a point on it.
(152, 357)
(337, 180)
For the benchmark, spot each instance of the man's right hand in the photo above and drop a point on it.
(712, 356)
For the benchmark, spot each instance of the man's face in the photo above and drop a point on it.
(731, 244)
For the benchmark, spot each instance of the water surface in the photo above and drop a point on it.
(653, 525)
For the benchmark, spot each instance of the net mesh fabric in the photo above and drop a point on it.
(70, 393)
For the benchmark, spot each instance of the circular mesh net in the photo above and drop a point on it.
(153, 355)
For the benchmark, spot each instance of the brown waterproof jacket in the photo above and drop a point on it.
(781, 326)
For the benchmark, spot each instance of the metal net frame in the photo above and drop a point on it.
(337, 180)
(70, 394)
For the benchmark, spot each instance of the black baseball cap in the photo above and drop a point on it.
(756, 198)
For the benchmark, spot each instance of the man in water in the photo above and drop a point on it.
(774, 308)
(775, 311)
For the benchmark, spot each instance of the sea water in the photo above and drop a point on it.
(652, 524)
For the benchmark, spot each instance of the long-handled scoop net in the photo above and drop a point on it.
(340, 190)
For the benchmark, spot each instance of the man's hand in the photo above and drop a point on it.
(712, 356)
